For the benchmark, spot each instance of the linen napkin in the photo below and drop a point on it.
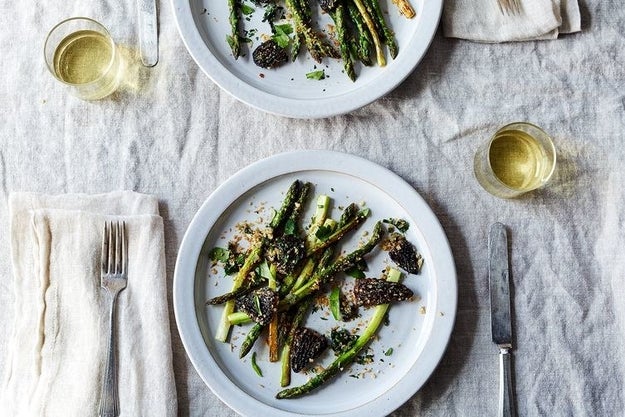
(57, 351)
(481, 20)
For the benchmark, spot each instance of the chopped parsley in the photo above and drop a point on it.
(246, 9)
(264, 271)
(335, 303)
(355, 273)
(230, 260)
(218, 254)
(289, 227)
(401, 224)
(316, 75)
(281, 34)
(341, 340)
(234, 264)
(323, 233)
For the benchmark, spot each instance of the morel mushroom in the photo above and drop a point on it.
(269, 55)
(371, 292)
(307, 345)
(260, 305)
(404, 254)
(285, 252)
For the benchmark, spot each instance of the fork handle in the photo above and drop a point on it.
(109, 400)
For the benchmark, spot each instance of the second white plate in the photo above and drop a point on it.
(203, 25)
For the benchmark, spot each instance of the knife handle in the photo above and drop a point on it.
(506, 391)
(148, 32)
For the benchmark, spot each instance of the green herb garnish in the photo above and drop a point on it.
(281, 34)
(232, 266)
(335, 303)
(341, 340)
(355, 273)
(323, 233)
(219, 254)
(289, 227)
(316, 75)
(246, 9)
(264, 271)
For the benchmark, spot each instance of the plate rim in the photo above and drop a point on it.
(193, 241)
(296, 108)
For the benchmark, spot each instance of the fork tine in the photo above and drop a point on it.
(124, 249)
(111, 258)
(105, 243)
(118, 256)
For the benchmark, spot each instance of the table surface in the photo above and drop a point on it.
(171, 132)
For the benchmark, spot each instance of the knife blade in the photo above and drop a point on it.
(148, 32)
(501, 321)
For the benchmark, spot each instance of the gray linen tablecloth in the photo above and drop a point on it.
(176, 135)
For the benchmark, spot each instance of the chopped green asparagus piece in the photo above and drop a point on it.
(250, 339)
(316, 45)
(300, 315)
(287, 205)
(305, 274)
(234, 17)
(364, 41)
(291, 227)
(239, 317)
(253, 258)
(338, 16)
(379, 52)
(374, 9)
(321, 213)
(243, 290)
(360, 217)
(348, 214)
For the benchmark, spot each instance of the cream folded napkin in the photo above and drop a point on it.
(57, 351)
(481, 20)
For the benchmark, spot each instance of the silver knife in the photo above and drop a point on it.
(148, 32)
(501, 322)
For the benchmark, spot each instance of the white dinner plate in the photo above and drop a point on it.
(203, 25)
(406, 351)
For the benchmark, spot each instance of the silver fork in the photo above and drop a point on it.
(509, 7)
(113, 278)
